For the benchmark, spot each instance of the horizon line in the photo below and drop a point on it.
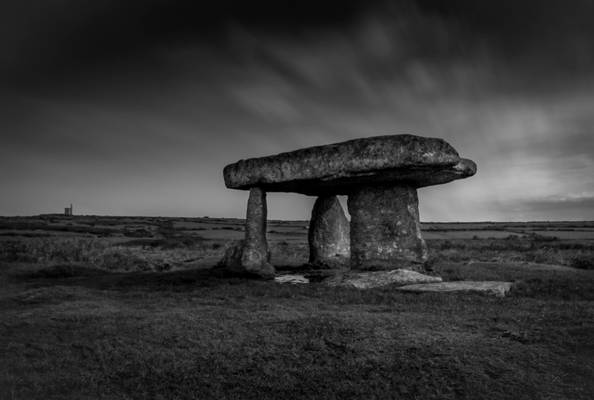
(284, 220)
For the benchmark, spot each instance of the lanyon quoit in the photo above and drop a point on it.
(380, 175)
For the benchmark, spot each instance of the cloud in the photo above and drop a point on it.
(159, 99)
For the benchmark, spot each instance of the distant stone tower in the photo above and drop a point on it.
(68, 211)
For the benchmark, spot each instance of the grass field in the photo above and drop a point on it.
(130, 308)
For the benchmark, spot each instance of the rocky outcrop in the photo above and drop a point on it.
(328, 235)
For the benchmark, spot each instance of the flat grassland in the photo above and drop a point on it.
(131, 308)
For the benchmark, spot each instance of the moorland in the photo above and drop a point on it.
(132, 308)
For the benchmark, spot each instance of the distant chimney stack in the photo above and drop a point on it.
(68, 211)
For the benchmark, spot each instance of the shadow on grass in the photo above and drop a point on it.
(553, 284)
(75, 275)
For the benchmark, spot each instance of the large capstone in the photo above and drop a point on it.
(338, 168)
(328, 236)
(251, 256)
(385, 229)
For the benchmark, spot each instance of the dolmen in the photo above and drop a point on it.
(380, 175)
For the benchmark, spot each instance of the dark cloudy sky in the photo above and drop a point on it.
(134, 107)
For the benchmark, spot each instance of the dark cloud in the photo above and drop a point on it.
(55, 41)
(61, 38)
(164, 93)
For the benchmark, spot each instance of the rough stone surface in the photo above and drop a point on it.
(385, 229)
(291, 278)
(368, 280)
(232, 260)
(255, 252)
(498, 289)
(252, 256)
(328, 236)
(338, 168)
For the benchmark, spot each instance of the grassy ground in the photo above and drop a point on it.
(72, 326)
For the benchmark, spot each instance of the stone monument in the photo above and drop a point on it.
(380, 175)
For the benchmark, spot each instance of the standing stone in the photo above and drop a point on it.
(385, 229)
(251, 255)
(255, 253)
(328, 236)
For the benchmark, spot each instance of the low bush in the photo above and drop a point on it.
(585, 261)
(52, 250)
(141, 255)
(64, 271)
(531, 249)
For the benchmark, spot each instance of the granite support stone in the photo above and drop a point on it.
(251, 256)
(328, 235)
(385, 230)
(255, 257)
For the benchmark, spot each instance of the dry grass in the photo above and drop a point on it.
(531, 249)
(132, 255)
